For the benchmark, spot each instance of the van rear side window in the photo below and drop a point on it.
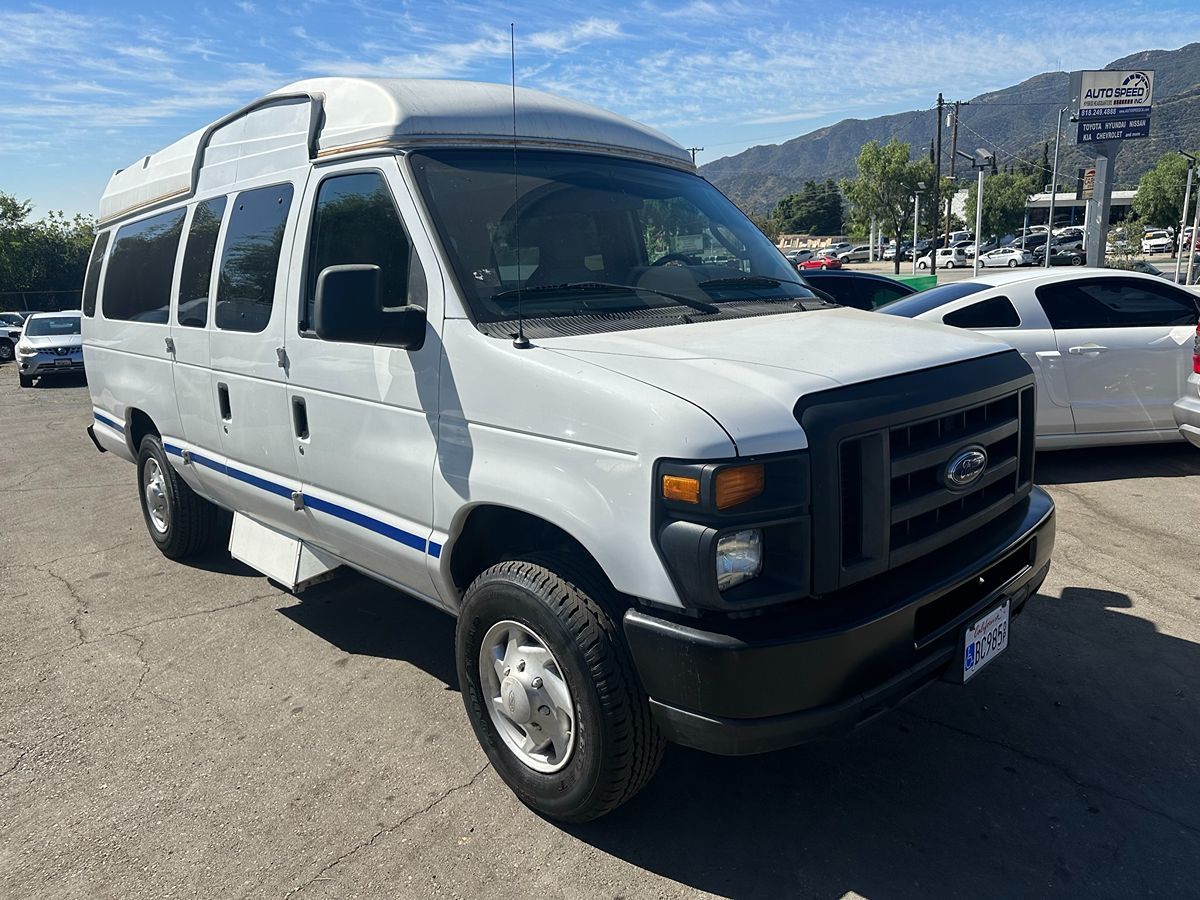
(195, 282)
(250, 258)
(91, 281)
(355, 221)
(137, 282)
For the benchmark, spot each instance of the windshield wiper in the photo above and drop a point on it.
(764, 280)
(698, 305)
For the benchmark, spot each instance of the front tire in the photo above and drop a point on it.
(550, 688)
(181, 522)
(6, 351)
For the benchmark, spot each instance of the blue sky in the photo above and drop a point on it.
(89, 88)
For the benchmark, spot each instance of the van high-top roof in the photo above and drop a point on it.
(322, 117)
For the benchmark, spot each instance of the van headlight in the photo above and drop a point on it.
(739, 557)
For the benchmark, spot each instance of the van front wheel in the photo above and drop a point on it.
(550, 688)
(181, 523)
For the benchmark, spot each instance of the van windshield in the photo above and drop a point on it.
(573, 234)
(44, 325)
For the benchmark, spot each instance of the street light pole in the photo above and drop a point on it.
(1187, 199)
(1054, 184)
(916, 222)
(978, 221)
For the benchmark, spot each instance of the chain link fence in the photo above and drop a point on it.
(40, 301)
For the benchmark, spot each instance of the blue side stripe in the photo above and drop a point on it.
(111, 423)
(399, 535)
(389, 531)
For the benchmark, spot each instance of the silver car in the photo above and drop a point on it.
(50, 345)
(1006, 256)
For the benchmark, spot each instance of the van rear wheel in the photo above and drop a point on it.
(550, 688)
(181, 523)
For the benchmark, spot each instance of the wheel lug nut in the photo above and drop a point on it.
(544, 710)
(536, 684)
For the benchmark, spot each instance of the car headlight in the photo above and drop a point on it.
(739, 557)
(27, 351)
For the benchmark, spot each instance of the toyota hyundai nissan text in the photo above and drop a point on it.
(558, 385)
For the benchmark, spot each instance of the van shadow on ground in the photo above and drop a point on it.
(1116, 463)
(1068, 768)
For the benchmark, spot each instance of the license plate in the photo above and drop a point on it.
(985, 640)
(62, 362)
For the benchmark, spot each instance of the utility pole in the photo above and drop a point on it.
(1101, 203)
(694, 151)
(953, 154)
(1054, 184)
(1187, 201)
(937, 183)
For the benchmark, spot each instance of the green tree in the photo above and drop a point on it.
(817, 209)
(1159, 200)
(768, 225)
(885, 186)
(1004, 199)
(41, 256)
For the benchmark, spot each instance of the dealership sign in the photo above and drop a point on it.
(1111, 105)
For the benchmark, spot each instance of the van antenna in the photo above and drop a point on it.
(520, 341)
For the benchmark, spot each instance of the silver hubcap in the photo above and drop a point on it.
(527, 696)
(155, 489)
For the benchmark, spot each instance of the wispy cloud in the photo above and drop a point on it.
(717, 73)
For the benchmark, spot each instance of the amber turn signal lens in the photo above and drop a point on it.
(677, 487)
(738, 485)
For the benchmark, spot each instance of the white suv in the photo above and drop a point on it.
(947, 258)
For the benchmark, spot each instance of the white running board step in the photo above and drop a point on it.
(281, 557)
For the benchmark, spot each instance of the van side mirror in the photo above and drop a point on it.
(348, 309)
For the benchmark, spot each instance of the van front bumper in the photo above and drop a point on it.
(824, 666)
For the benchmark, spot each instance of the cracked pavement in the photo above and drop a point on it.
(192, 731)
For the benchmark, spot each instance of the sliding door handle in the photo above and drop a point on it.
(223, 402)
(300, 418)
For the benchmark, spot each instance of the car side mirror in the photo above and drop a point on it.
(348, 308)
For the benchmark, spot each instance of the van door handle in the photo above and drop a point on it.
(223, 402)
(1086, 350)
(300, 418)
(170, 345)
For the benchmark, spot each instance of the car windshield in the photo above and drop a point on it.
(44, 325)
(567, 234)
(10, 319)
(911, 307)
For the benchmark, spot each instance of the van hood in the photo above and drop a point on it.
(748, 373)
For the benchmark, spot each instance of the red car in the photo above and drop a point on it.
(820, 262)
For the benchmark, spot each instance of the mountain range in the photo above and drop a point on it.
(1016, 121)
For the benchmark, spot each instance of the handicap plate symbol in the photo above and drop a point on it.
(970, 655)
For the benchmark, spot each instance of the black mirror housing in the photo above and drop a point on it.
(348, 309)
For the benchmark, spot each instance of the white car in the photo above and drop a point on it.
(1009, 257)
(1157, 242)
(1111, 349)
(838, 247)
(51, 344)
(947, 258)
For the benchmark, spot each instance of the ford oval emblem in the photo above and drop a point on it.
(965, 468)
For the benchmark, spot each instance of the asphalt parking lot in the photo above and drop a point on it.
(173, 730)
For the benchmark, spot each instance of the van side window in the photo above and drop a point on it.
(355, 221)
(995, 312)
(137, 282)
(91, 281)
(250, 258)
(195, 281)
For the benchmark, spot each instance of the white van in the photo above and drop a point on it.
(667, 499)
